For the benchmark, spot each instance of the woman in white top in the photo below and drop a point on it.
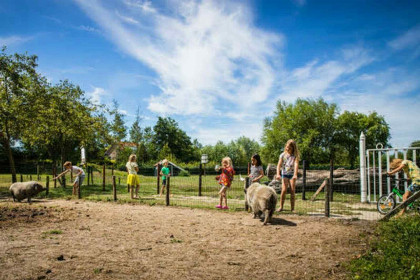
(133, 179)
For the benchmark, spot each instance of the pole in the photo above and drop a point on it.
(114, 188)
(331, 190)
(103, 178)
(158, 178)
(246, 189)
(37, 172)
(304, 181)
(362, 153)
(54, 175)
(47, 186)
(167, 189)
(79, 192)
(327, 198)
(88, 174)
(200, 179)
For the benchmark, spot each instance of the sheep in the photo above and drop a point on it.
(24, 190)
(261, 199)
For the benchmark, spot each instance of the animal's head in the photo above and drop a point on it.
(38, 187)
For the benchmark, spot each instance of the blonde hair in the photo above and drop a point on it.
(132, 157)
(395, 163)
(294, 146)
(67, 163)
(228, 159)
(164, 161)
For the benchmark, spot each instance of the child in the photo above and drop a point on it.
(288, 164)
(164, 172)
(225, 180)
(413, 173)
(133, 179)
(76, 172)
(256, 172)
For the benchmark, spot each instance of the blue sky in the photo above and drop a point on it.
(219, 67)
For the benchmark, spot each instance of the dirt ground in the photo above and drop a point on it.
(58, 239)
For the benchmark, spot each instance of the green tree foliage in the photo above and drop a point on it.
(311, 123)
(167, 132)
(118, 129)
(136, 133)
(352, 124)
(63, 121)
(18, 80)
(415, 143)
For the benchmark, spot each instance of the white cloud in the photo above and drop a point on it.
(409, 39)
(204, 54)
(88, 28)
(14, 40)
(96, 95)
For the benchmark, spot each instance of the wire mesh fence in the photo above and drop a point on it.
(311, 189)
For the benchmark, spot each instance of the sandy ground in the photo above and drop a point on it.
(58, 239)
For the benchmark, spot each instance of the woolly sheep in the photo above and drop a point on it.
(24, 190)
(261, 199)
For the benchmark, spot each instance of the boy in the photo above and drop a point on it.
(164, 172)
(413, 173)
(76, 171)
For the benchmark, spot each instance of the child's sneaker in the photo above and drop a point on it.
(219, 206)
(225, 207)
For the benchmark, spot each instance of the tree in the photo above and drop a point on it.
(415, 143)
(17, 78)
(352, 124)
(311, 123)
(167, 132)
(136, 133)
(118, 129)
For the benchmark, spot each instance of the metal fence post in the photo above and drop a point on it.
(158, 178)
(114, 188)
(200, 179)
(362, 155)
(331, 181)
(327, 198)
(47, 186)
(79, 192)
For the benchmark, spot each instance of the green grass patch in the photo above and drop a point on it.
(394, 252)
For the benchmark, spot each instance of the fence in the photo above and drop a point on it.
(341, 187)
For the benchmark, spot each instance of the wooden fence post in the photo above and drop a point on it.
(21, 178)
(54, 175)
(88, 174)
(47, 186)
(30, 177)
(327, 198)
(246, 189)
(79, 191)
(304, 181)
(103, 178)
(64, 181)
(331, 179)
(37, 172)
(114, 188)
(158, 178)
(168, 180)
(200, 179)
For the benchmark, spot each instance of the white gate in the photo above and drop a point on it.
(374, 164)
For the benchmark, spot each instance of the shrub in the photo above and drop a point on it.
(394, 254)
(184, 173)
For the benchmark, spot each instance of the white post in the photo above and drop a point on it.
(362, 153)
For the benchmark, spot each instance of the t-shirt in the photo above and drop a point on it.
(288, 167)
(131, 167)
(165, 171)
(75, 170)
(255, 172)
(413, 172)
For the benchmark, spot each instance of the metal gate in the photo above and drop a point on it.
(374, 165)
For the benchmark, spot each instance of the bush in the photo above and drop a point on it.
(394, 253)
(184, 173)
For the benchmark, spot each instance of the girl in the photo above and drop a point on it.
(76, 172)
(256, 172)
(133, 179)
(164, 172)
(225, 180)
(289, 165)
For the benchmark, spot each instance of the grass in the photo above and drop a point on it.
(184, 192)
(394, 252)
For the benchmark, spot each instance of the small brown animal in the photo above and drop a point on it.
(24, 190)
(261, 199)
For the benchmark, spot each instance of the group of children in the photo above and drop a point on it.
(287, 172)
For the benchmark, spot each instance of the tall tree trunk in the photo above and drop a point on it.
(6, 141)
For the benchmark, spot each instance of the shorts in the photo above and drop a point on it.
(82, 177)
(164, 182)
(413, 188)
(287, 176)
(133, 180)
